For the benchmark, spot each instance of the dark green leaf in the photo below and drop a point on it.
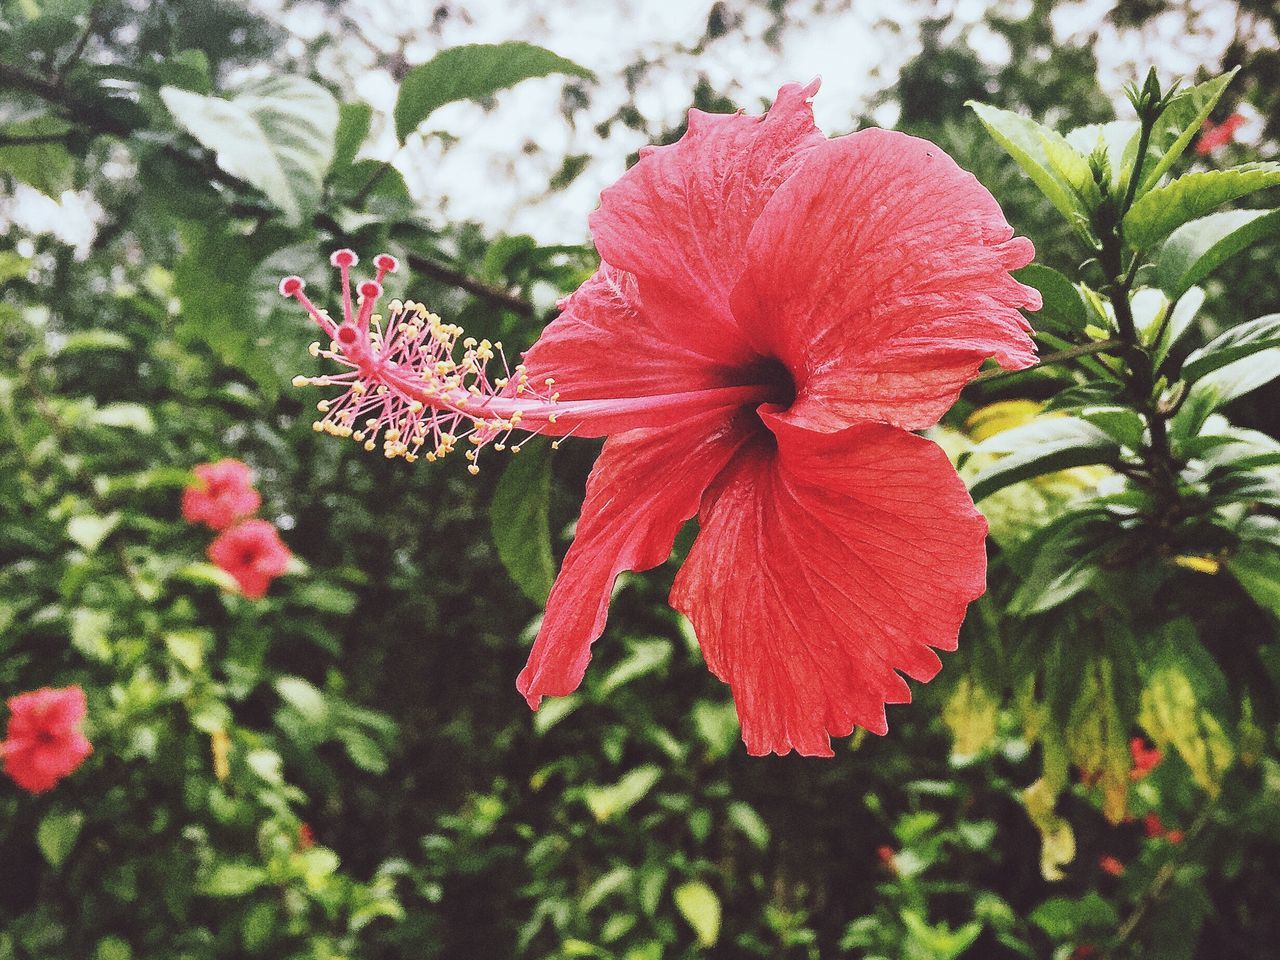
(1235, 343)
(1166, 208)
(48, 167)
(1197, 248)
(518, 518)
(1257, 567)
(353, 128)
(1041, 447)
(470, 72)
(1063, 309)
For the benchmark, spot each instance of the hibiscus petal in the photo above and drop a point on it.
(823, 565)
(644, 486)
(879, 274)
(679, 219)
(605, 344)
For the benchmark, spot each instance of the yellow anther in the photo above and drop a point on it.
(555, 444)
(550, 381)
(473, 469)
(323, 406)
(358, 436)
(299, 381)
(553, 417)
(393, 435)
(499, 447)
(317, 426)
(415, 406)
(369, 445)
(314, 349)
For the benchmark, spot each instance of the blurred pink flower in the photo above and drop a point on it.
(222, 494)
(45, 742)
(253, 554)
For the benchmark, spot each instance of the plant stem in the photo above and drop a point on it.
(1060, 356)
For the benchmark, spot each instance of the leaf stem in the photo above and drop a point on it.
(1060, 356)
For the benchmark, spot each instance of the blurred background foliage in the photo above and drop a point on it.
(344, 768)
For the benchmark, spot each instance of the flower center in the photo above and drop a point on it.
(772, 374)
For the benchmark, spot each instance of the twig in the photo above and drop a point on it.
(1084, 350)
(30, 139)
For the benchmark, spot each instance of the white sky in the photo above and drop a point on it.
(497, 169)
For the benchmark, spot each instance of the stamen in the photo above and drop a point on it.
(404, 384)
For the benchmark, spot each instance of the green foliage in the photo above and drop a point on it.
(473, 72)
(1131, 483)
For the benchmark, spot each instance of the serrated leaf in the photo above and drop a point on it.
(1166, 208)
(1041, 447)
(1116, 140)
(608, 801)
(1196, 249)
(57, 835)
(276, 134)
(1057, 168)
(1232, 345)
(1063, 310)
(1178, 124)
(470, 72)
(700, 906)
(519, 521)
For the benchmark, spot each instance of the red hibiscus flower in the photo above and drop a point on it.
(306, 836)
(45, 742)
(222, 494)
(253, 554)
(1215, 135)
(1145, 759)
(774, 313)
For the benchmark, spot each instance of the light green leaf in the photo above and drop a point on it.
(1124, 424)
(552, 710)
(1166, 208)
(1178, 124)
(470, 72)
(1063, 310)
(276, 134)
(1056, 167)
(744, 817)
(609, 801)
(113, 948)
(233, 880)
(700, 906)
(1043, 446)
(187, 647)
(354, 120)
(1117, 140)
(1063, 919)
(1197, 248)
(1223, 385)
(518, 519)
(57, 835)
(1233, 344)
(95, 340)
(646, 656)
(48, 167)
(303, 697)
(125, 416)
(89, 530)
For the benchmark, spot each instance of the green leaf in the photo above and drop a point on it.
(1063, 310)
(609, 801)
(646, 656)
(113, 948)
(518, 519)
(1117, 141)
(233, 880)
(1257, 568)
(1233, 344)
(1166, 208)
(1057, 168)
(700, 906)
(57, 835)
(1223, 385)
(354, 120)
(470, 72)
(1179, 123)
(89, 530)
(1044, 446)
(276, 134)
(1124, 424)
(125, 416)
(303, 697)
(48, 167)
(1197, 248)
(743, 816)
(1064, 919)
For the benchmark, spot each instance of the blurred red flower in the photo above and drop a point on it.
(44, 741)
(1154, 828)
(1215, 135)
(1111, 865)
(253, 553)
(222, 494)
(1084, 951)
(775, 313)
(306, 836)
(1145, 759)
